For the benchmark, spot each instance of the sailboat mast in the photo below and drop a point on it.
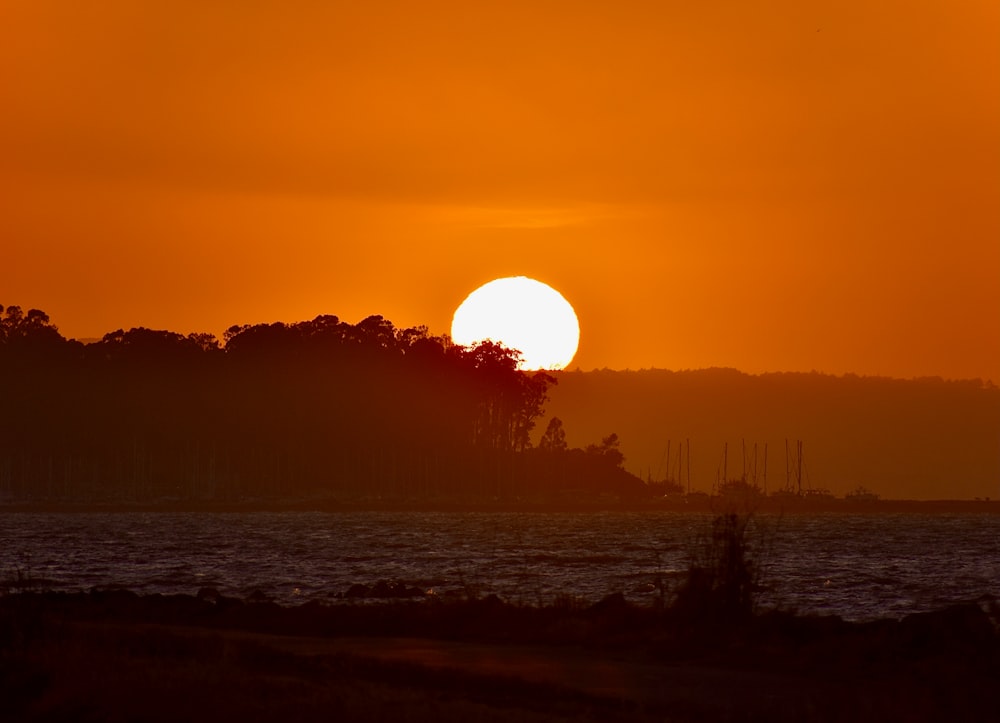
(788, 471)
(743, 449)
(798, 473)
(765, 468)
(689, 465)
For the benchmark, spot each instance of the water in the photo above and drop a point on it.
(857, 566)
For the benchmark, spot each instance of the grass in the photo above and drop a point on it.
(110, 671)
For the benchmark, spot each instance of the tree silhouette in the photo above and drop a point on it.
(554, 438)
(320, 408)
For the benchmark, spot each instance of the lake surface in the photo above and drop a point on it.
(857, 566)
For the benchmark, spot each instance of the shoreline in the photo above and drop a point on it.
(707, 505)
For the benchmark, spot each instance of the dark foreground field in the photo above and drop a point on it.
(115, 656)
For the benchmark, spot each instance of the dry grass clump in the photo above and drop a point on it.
(722, 579)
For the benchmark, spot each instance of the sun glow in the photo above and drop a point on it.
(522, 314)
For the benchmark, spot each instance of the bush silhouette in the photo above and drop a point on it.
(722, 577)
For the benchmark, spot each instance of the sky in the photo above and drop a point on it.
(772, 186)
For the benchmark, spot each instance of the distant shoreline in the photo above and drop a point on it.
(713, 505)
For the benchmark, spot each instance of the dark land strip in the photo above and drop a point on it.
(706, 505)
(105, 656)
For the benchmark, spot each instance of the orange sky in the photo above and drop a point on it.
(769, 186)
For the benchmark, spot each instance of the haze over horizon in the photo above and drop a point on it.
(793, 187)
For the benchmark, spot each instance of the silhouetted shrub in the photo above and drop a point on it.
(722, 577)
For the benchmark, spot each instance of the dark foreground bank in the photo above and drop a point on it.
(116, 656)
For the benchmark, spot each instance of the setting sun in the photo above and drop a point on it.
(522, 314)
(291, 296)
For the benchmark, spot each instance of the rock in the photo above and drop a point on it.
(258, 597)
(357, 590)
(209, 595)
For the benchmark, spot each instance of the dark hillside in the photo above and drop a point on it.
(920, 439)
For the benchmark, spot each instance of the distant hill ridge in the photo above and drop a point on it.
(907, 439)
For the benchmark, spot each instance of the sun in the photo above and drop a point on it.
(522, 314)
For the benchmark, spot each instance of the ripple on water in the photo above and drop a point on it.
(859, 567)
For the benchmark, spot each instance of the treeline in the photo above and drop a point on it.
(278, 410)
